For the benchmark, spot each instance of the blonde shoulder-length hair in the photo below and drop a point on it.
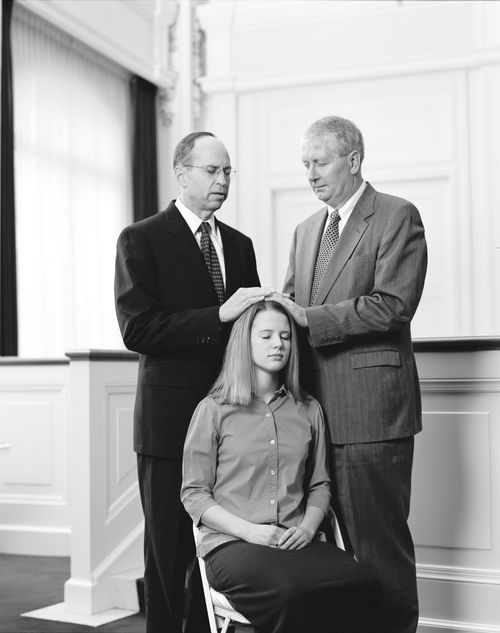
(236, 381)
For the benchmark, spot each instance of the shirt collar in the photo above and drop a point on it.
(346, 209)
(281, 392)
(192, 220)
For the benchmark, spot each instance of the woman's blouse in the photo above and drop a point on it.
(265, 463)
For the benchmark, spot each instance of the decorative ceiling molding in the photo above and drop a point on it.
(111, 27)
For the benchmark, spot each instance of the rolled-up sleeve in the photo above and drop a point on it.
(318, 476)
(200, 460)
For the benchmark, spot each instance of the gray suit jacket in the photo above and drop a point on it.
(359, 361)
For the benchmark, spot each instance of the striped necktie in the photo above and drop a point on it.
(326, 248)
(211, 260)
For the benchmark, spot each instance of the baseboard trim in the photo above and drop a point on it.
(470, 575)
(430, 625)
(35, 540)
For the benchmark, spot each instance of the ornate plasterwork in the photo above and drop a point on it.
(182, 62)
(198, 63)
(166, 94)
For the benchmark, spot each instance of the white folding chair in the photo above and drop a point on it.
(337, 534)
(221, 614)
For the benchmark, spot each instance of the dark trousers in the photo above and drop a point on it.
(169, 553)
(371, 492)
(317, 589)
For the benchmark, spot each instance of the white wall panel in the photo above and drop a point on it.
(455, 514)
(33, 483)
(452, 492)
(484, 99)
(121, 472)
(27, 426)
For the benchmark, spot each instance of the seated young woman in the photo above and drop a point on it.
(256, 482)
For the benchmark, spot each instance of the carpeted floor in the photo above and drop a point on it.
(32, 582)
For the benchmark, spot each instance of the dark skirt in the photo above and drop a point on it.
(317, 589)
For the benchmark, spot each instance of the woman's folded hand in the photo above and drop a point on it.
(263, 534)
(295, 538)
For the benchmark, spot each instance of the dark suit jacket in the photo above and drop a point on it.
(361, 360)
(168, 311)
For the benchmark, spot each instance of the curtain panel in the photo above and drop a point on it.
(144, 162)
(8, 276)
(73, 135)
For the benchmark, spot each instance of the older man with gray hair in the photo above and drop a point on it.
(356, 274)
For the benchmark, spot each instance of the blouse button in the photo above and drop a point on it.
(272, 442)
(273, 472)
(268, 415)
(273, 500)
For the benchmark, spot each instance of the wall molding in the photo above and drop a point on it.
(455, 626)
(458, 574)
(460, 385)
(88, 27)
(457, 344)
(35, 540)
(32, 499)
(102, 354)
(390, 70)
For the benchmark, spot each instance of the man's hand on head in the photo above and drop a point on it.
(298, 313)
(242, 299)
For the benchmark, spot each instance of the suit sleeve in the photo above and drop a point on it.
(398, 281)
(145, 325)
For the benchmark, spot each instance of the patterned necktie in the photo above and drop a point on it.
(212, 261)
(326, 248)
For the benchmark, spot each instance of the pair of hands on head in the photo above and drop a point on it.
(243, 298)
(296, 537)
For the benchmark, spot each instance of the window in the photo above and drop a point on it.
(73, 188)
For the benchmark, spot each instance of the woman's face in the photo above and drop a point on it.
(270, 341)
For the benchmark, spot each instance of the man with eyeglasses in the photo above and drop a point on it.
(182, 278)
(356, 273)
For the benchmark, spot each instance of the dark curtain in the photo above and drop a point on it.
(8, 281)
(144, 161)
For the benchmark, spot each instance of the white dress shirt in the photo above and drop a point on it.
(194, 222)
(346, 209)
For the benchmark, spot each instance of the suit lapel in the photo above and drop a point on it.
(231, 260)
(306, 258)
(352, 233)
(188, 252)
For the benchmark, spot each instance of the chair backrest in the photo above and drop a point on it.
(206, 587)
(220, 612)
(337, 534)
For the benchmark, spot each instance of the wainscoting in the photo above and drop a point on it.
(455, 514)
(67, 432)
(34, 507)
(68, 484)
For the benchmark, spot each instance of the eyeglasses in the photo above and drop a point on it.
(213, 171)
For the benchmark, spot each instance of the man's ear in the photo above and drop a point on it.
(180, 174)
(354, 161)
